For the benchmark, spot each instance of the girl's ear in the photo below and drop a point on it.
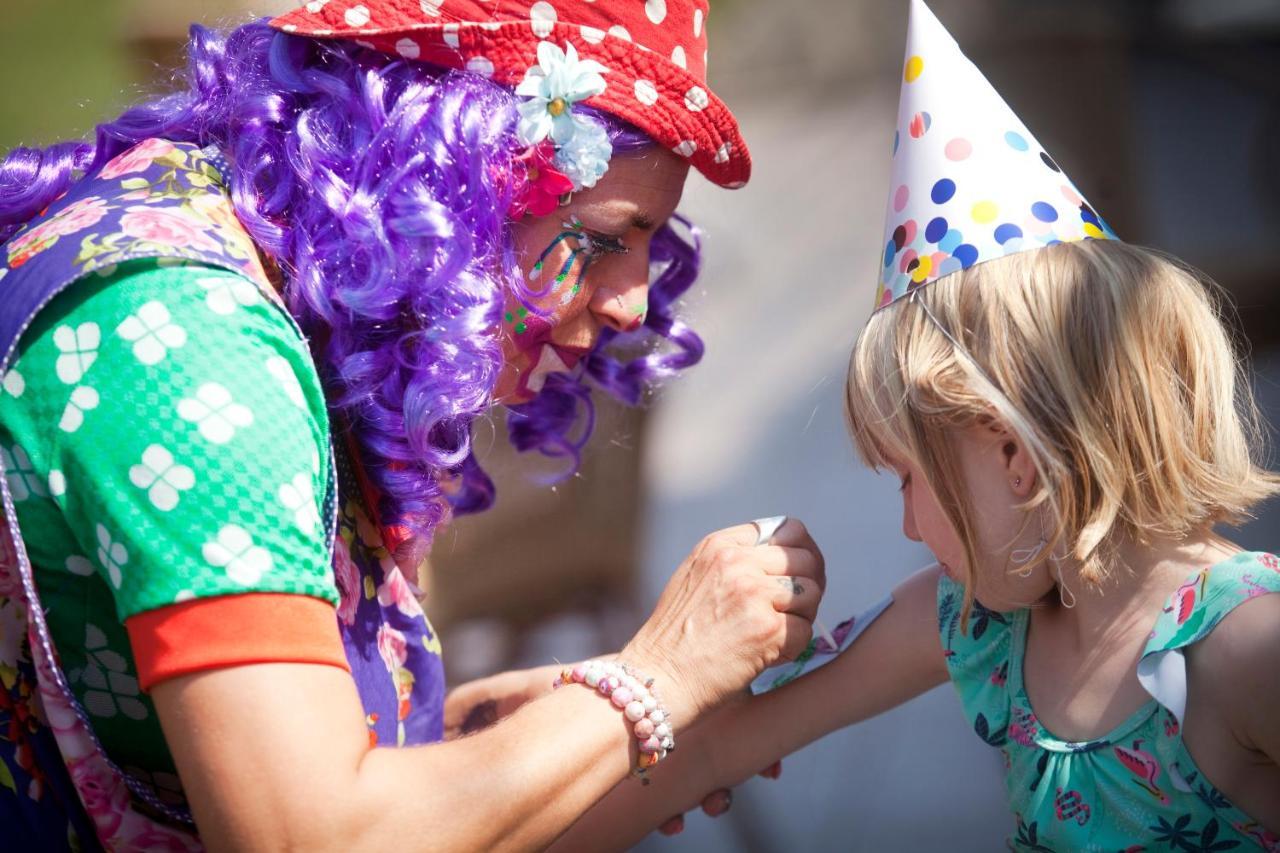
(1019, 467)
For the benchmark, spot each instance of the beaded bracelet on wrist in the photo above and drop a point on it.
(632, 693)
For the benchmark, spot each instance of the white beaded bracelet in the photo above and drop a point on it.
(632, 693)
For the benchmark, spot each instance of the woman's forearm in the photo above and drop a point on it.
(259, 779)
(542, 767)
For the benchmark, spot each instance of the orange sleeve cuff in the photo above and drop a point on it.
(211, 633)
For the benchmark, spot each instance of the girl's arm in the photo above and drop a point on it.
(897, 658)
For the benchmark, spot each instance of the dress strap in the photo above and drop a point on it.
(1192, 612)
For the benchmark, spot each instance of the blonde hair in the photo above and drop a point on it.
(1112, 366)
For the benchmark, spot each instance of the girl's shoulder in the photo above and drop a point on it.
(1201, 605)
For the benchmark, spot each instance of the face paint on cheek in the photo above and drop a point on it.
(528, 330)
(582, 249)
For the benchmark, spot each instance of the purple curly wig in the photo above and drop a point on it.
(376, 184)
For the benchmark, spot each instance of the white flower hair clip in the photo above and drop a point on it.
(553, 86)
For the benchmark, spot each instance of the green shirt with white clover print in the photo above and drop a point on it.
(165, 438)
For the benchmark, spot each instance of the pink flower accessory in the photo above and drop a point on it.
(539, 185)
(631, 692)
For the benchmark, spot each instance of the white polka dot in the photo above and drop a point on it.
(480, 65)
(619, 32)
(451, 35)
(367, 45)
(315, 6)
(184, 595)
(323, 32)
(677, 56)
(695, 100)
(430, 8)
(289, 28)
(646, 92)
(78, 565)
(697, 23)
(656, 10)
(723, 153)
(542, 17)
(57, 483)
(686, 148)
(408, 48)
(592, 36)
(356, 16)
(14, 383)
(736, 185)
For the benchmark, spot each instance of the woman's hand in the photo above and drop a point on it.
(731, 610)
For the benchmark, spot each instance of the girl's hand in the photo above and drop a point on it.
(478, 704)
(730, 611)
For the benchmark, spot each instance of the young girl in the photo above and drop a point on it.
(1069, 423)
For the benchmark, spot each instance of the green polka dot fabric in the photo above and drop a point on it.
(165, 438)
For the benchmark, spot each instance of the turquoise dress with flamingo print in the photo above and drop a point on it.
(1137, 787)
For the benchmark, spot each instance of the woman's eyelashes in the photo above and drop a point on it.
(603, 244)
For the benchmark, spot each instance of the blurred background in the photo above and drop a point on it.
(1166, 113)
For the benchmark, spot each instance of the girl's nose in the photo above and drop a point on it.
(909, 521)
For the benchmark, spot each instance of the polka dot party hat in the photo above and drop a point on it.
(970, 183)
(654, 55)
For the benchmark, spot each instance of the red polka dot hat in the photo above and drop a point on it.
(970, 182)
(651, 56)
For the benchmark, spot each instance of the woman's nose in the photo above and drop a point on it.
(622, 308)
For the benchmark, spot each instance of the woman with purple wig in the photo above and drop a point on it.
(244, 336)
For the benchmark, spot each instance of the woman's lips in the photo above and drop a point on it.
(551, 359)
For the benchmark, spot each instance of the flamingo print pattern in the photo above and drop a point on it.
(1144, 766)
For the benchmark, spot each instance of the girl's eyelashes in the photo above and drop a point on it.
(906, 481)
